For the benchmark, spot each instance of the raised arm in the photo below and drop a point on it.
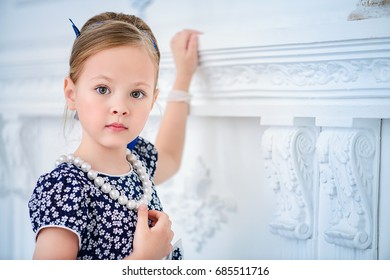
(171, 135)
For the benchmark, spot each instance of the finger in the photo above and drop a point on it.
(191, 31)
(155, 215)
(142, 216)
(160, 218)
(181, 39)
(193, 44)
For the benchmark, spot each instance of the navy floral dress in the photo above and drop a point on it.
(67, 198)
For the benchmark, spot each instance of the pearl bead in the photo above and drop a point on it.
(131, 204)
(147, 184)
(122, 200)
(147, 197)
(143, 177)
(70, 158)
(114, 194)
(63, 158)
(92, 174)
(99, 181)
(147, 190)
(106, 188)
(137, 164)
(131, 158)
(142, 171)
(85, 167)
(78, 161)
(144, 200)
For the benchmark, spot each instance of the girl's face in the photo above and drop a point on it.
(113, 96)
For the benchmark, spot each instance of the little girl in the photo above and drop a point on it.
(94, 204)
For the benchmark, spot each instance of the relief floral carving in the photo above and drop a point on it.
(288, 75)
(198, 209)
(381, 70)
(346, 176)
(16, 173)
(288, 160)
(303, 74)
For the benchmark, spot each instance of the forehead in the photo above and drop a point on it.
(121, 62)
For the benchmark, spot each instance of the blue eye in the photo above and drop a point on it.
(102, 90)
(137, 94)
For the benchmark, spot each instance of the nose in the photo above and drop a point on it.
(119, 112)
(119, 108)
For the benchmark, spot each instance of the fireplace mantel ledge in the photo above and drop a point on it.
(345, 77)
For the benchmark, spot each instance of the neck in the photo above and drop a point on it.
(106, 160)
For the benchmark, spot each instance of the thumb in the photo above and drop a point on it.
(142, 216)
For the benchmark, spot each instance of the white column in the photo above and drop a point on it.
(16, 177)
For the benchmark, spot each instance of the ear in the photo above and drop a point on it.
(155, 95)
(70, 93)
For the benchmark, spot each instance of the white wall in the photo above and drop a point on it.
(269, 69)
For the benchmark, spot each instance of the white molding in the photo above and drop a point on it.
(348, 78)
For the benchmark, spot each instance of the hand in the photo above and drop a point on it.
(152, 242)
(184, 46)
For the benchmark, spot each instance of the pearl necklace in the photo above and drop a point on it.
(107, 188)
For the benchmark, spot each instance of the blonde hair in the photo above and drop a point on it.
(109, 30)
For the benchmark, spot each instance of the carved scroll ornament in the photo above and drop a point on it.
(288, 159)
(346, 175)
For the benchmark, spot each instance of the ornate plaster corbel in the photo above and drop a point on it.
(347, 176)
(288, 159)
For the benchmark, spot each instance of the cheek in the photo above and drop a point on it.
(88, 110)
(143, 116)
(146, 113)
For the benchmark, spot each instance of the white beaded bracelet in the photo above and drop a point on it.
(179, 96)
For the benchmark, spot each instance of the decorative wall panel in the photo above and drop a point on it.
(285, 138)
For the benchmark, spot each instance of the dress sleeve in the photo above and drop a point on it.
(148, 155)
(58, 201)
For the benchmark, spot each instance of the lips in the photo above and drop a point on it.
(116, 126)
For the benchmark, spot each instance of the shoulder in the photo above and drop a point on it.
(144, 147)
(64, 179)
(147, 153)
(59, 200)
(66, 173)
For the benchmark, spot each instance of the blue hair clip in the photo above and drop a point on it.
(76, 30)
(151, 39)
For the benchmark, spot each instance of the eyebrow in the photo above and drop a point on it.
(136, 84)
(102, 77)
